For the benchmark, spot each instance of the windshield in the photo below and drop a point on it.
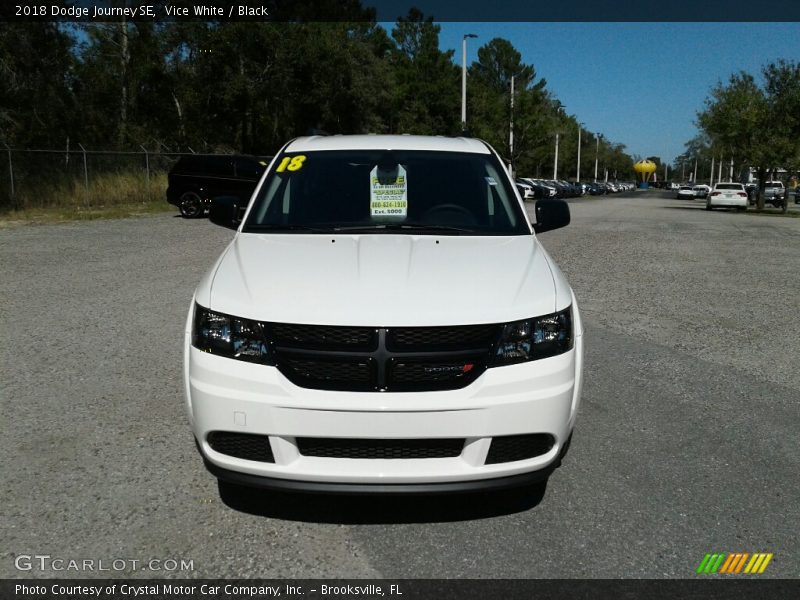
(730, 186)
(387, 191)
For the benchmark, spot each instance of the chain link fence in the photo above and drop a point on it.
(82, 178)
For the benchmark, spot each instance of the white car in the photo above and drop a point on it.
(727, 195)
(685, 192)
(371, 328)
(526, 191)
(701, 191)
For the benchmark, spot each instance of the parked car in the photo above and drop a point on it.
(525, 190)
(685, 192)
(541, 190)
(727, 195)
(346, 340)
(701, 190)
(197, 178)
(774, 193)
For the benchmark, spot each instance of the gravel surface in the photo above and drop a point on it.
(686, 442)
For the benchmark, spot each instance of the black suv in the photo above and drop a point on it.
(197, 178)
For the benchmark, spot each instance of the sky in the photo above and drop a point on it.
(639, 84)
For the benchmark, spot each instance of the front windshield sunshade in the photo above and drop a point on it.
(387, 191)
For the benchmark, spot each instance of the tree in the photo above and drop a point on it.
(758, 125)
(426, 82)
(37, 105)
(490, 104)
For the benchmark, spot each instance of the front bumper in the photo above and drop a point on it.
(233, 396)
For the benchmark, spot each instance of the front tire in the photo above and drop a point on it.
(190, 205)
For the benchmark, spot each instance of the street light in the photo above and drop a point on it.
(464, 80)
(560, 109)
(555, 164)
(596, 154)
(578, 170)
(511, 128)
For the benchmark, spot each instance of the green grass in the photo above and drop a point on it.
(773, 212)
(111, 196)
(34, 216)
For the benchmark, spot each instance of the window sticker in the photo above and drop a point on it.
(291, 163)
(388, 196)
(490, 180)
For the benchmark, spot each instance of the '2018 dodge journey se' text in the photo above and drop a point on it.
(384, 320)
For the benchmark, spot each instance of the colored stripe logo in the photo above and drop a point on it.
(734, 563)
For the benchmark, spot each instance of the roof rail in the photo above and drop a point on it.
(315, 131)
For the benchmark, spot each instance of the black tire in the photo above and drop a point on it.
(708, 207)
(190, 205)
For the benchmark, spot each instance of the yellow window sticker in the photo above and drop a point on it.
(291, 163)
(388, 196)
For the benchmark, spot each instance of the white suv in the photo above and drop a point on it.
(384, 320)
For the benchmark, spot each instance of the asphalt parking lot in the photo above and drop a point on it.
(686, 442)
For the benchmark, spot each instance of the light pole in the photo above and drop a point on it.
(578, 170)
(596, 155)
(464, 80)
(555, 164)
(711, 179)
(511, 132)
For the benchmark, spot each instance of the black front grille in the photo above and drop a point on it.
(508, 448)
(370, 448)
(241, 445)
(378, 359)
(323, 337)
(328, 373)
(411, 339)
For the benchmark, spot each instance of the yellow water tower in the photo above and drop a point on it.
(644, 168)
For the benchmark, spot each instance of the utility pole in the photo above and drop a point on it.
(511, 133)
(555, 164)
(711, 179)
(464, 80)
(694, 177)
(730, 176)
(578, 170)
(719, 176)
(596, 155)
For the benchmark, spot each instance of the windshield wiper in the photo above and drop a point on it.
(405, 227)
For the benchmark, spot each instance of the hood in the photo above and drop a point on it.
(382, 279)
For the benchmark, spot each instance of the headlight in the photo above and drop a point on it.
(533, 339)
(231, 337)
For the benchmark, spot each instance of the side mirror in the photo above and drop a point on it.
(226, 211)
(551, 214)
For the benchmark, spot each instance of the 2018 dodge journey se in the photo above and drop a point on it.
(384, 320)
